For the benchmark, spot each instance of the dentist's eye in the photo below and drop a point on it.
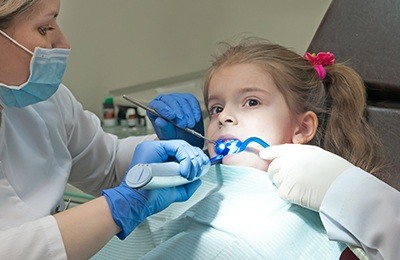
(252, 102)
(43, 29)
(215, 110)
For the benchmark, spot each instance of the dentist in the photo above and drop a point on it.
(47, 140)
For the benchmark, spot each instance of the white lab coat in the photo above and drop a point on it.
(363, 211)
(42, 147)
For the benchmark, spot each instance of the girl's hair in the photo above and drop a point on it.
(9, 9)
(339, 100)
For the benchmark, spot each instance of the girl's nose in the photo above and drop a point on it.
(227, 118)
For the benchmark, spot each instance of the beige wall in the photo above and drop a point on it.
(120, 43)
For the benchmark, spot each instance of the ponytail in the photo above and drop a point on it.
(347, 132)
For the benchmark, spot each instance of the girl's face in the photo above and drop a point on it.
(243, 101)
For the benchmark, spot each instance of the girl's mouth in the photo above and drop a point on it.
(227, 146)
(231, 146)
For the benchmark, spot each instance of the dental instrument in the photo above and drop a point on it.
(160, 175)
(154, 112)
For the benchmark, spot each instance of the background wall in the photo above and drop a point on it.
(122, 43)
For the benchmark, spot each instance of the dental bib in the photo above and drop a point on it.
(235, 214)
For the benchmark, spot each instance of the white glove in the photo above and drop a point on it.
(303, 173)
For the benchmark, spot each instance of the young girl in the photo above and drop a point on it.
(261, 89)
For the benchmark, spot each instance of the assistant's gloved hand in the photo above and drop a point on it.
(303, 173)
(184, 110)
(129, 207)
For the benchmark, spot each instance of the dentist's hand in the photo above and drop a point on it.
(303, 173)
(129, 207)
(184, 110)
(190, 158)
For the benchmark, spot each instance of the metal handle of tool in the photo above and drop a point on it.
(154, 112)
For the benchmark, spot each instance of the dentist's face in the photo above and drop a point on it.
(243, 101)
(34, 28)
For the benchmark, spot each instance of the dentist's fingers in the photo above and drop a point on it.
(199, 159)
(196, 163)
(283, 181)
(274, 171)
(163, 129)
(275, 166)
(183, 109)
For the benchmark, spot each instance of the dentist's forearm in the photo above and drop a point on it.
(85, 229)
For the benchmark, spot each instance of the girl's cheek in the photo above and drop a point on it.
(211, 152)
(246, 159)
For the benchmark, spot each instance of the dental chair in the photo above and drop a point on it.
(366, 35)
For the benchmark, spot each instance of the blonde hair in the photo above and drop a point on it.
(339, 100)
(9, 9)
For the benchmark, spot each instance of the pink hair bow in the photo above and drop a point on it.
(319, 61)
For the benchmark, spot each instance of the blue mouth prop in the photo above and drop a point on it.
(233, 146)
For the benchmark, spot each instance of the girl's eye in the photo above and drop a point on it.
(252, 102)
(215, 110)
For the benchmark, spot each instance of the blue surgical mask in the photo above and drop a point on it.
(47, 68)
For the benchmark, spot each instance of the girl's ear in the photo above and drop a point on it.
(308, 123)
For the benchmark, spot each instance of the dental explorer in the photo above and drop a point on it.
(154, 112)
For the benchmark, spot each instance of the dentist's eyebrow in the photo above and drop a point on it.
(52, 14)
(46, 17)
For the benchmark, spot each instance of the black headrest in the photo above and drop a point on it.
(366, 35)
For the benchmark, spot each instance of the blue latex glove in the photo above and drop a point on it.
(184, 110)
(129, 207)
